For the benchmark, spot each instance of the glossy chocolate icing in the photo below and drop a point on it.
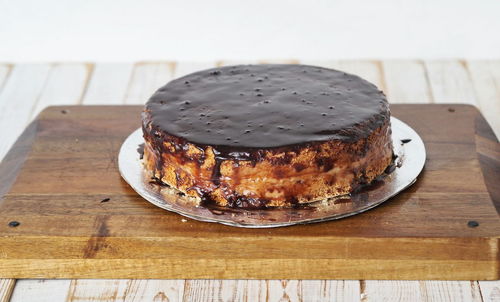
(243, 108)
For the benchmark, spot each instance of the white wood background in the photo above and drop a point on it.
(25, 89)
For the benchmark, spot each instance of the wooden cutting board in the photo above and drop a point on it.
(67, 213)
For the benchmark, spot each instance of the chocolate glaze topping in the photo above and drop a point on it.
(240, 108)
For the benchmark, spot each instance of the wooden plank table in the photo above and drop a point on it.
(25, 89)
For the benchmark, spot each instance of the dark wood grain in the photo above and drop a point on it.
(488, 150)
(14, 160)
(68, 165)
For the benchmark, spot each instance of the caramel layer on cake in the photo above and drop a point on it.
(267, 135)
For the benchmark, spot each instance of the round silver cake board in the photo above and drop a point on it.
(408, 146)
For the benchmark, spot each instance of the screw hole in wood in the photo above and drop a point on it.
(14, 224)
(472, 224)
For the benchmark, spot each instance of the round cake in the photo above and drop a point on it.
(257, 136)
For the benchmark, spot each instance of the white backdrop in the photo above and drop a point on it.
(105, 30)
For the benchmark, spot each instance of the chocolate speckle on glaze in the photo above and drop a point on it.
(287, 104)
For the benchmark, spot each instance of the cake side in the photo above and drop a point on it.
(267, 177)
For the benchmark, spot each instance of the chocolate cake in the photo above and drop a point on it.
(266, 135)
